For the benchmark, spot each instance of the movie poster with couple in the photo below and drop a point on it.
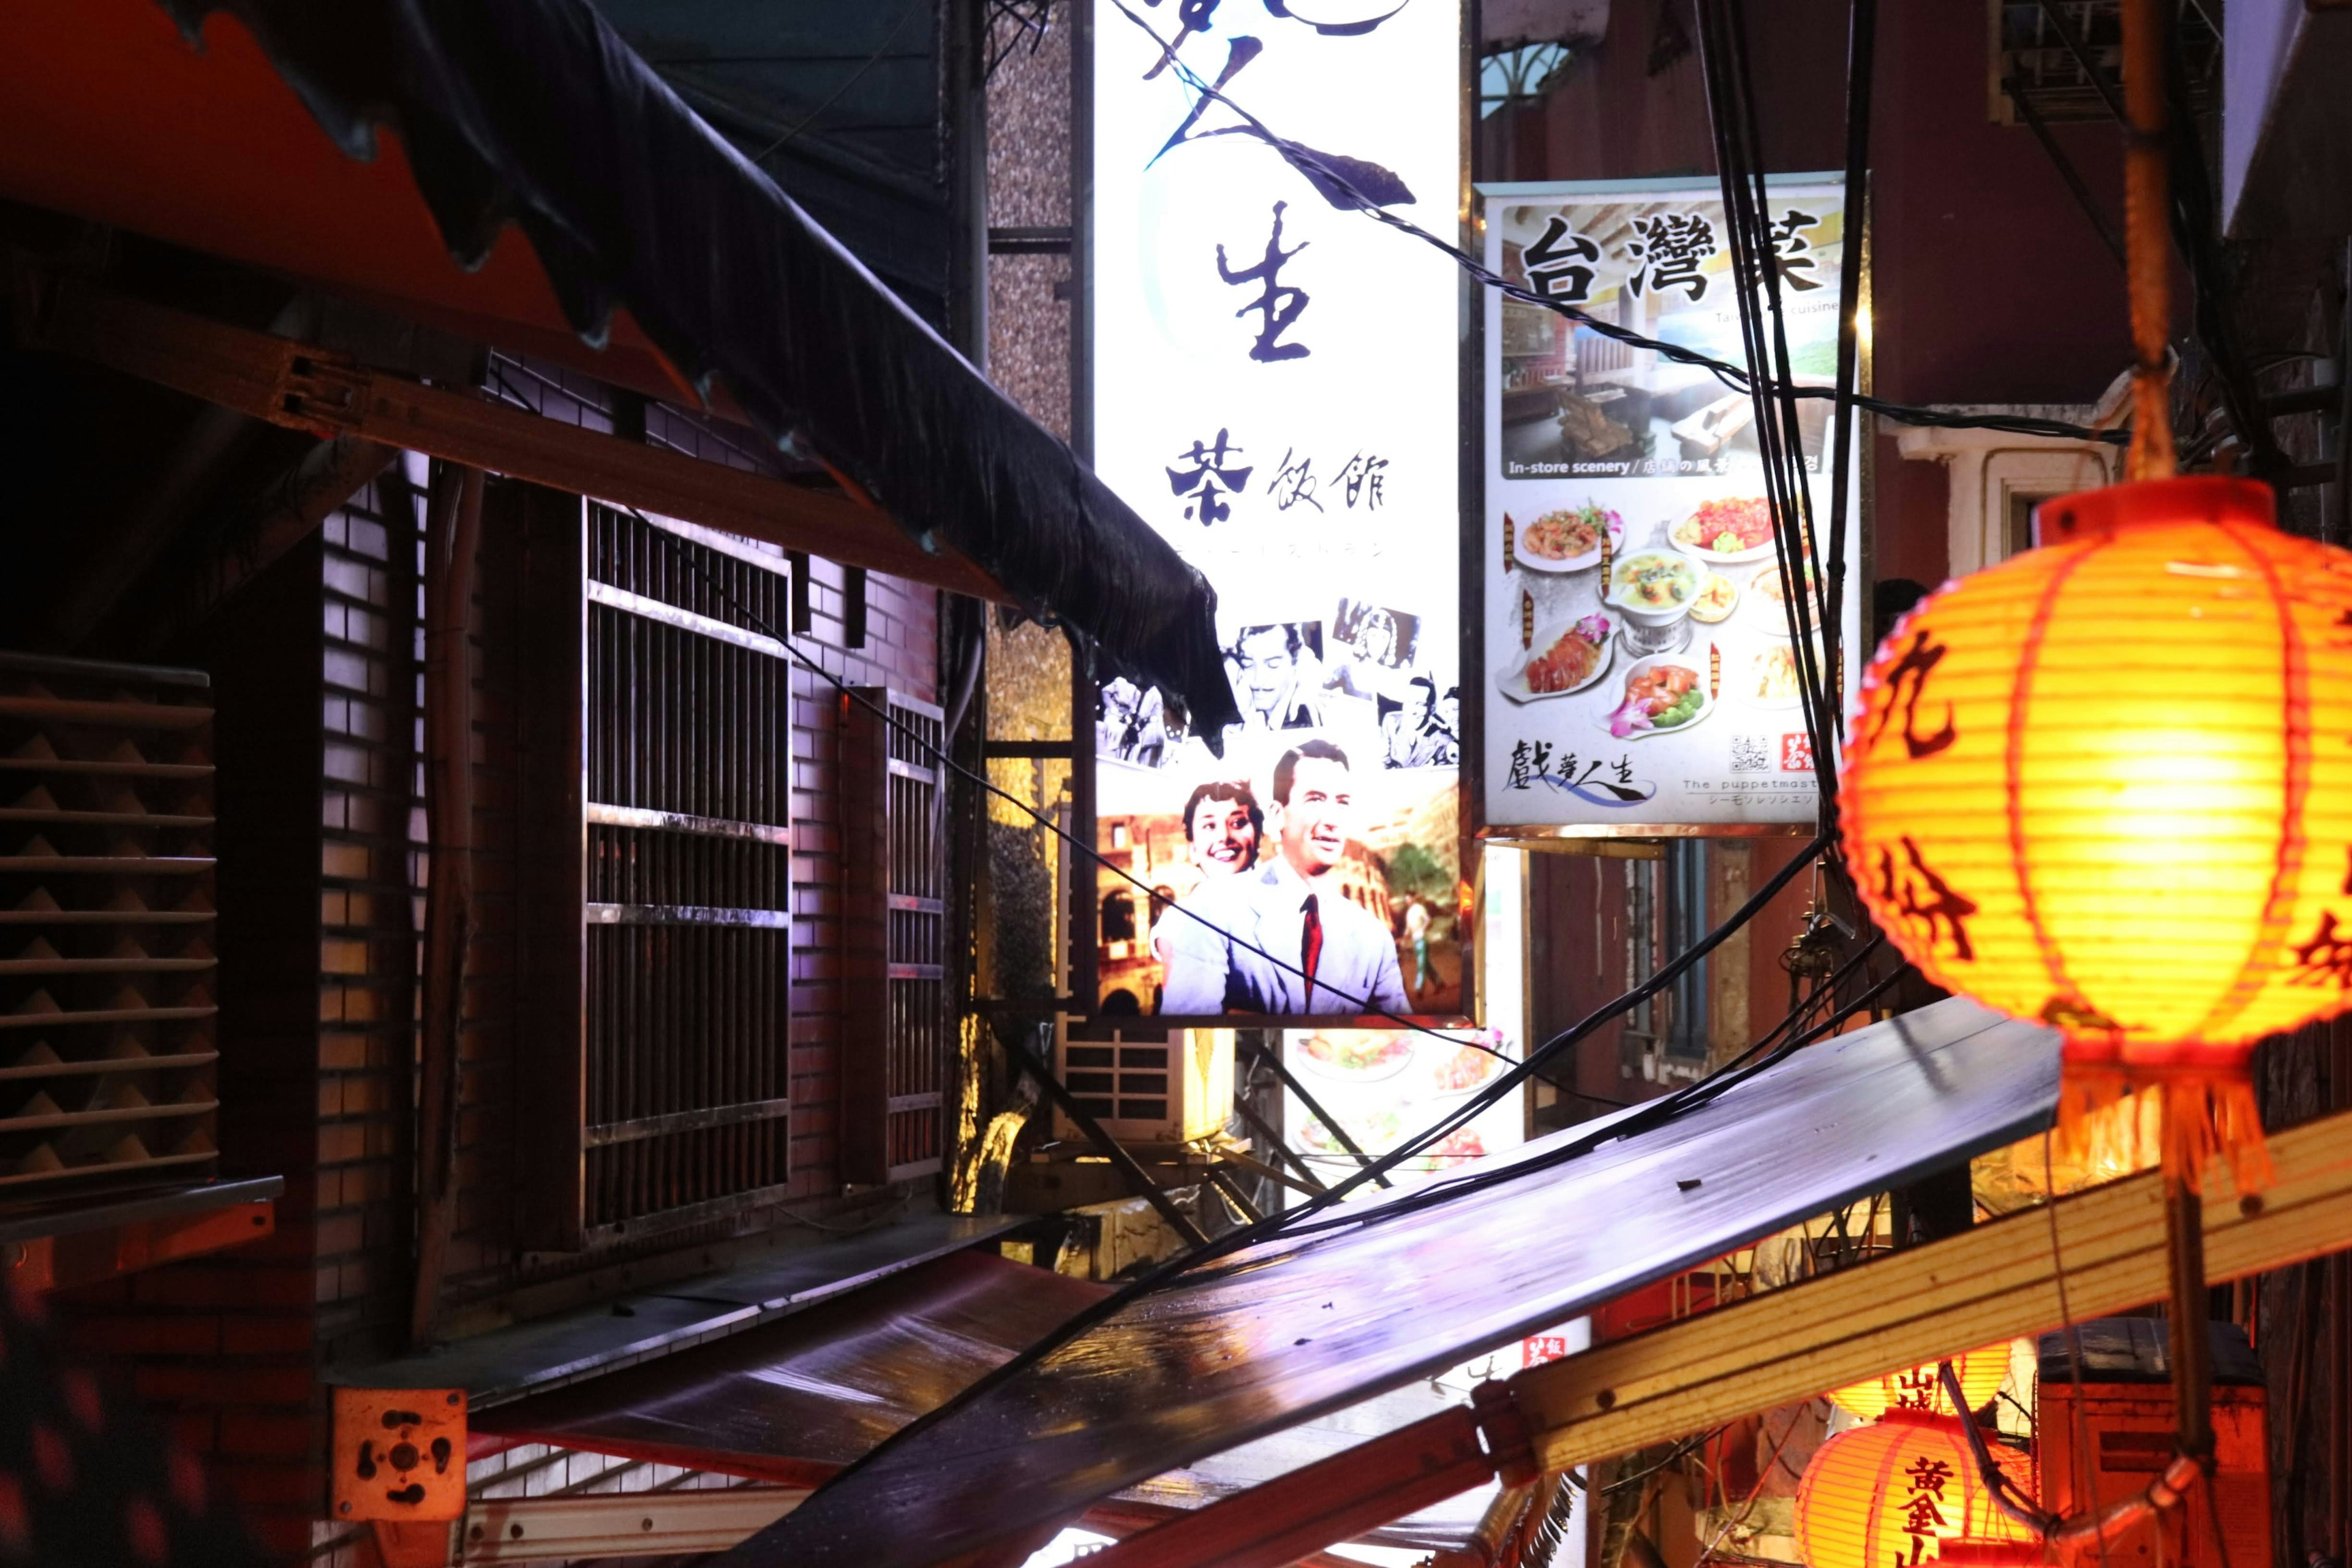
(1275, 388)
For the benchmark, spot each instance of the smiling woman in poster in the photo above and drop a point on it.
(1222, 826)
(1292, 909)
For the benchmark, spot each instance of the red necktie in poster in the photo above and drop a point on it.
(1310, 946)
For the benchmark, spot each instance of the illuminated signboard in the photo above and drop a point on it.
(1275, 388)
(1638, 670)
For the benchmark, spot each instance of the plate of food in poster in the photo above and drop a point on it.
(1357, 1056)
(1718, 596)
(1568, 539)
(1466, 1067)
(1664, 695)
(1384, 1088)
(1765, 677)
(1727, 533)
(1563, 658)
(1768, 601)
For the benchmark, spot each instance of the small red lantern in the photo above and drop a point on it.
(2108, 783)
(1922, 1387)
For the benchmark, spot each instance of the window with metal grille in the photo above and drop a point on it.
(659, 788)
(894, 1059)
(2039, 48)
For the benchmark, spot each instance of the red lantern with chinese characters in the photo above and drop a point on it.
(1960, 1552)
(2108, 783)
(1922, 1387)
(1893, 1491)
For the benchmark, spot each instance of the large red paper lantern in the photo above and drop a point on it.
(1969, 1553)
(1893, 1491)
(2107, 784)
(1922, 1387)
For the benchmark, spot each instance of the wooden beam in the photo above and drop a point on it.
(629, 1524)
(1997, 1282)
(328, 394)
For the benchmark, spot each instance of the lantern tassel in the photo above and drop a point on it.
(2183, 1124)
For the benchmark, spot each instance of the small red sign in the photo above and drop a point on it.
(1538, 1349)
(1796, 754)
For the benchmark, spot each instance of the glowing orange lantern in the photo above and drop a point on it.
(1893, 1491)
(1969, 1553)
(1922, 1387)
(2108, 783)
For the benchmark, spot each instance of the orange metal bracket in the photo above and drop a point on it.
(86, 1257)
(400, 1455)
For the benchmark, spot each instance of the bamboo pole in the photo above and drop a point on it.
(2147, 240)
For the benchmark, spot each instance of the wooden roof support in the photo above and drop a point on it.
(328, 394)
(1997, 1282)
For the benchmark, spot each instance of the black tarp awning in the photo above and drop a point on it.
(649, 237)
(1399, 1289)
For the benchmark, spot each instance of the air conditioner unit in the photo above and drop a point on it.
(1146, 1084)
(2121, 1423)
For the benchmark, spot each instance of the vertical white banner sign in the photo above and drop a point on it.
(1276, 389)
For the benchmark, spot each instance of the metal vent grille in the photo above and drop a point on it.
(895, 1069)
(687, 761)
(107, 1050)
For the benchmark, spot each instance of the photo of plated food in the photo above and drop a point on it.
(1568, 539)
(1727, 531)
(1660, 695)
(1767, 677)
(1655, 588)
(1564, 658)
(1717, 597)
(1768, 600)
(1466, 1069)
(1359, 1056)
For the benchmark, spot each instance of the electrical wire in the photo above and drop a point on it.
(1652, 1114)
(1780, 434)
(1201, 1263)
(1286, 1222)
(2005, 1492)
(1475, 1106)
(1324, 176)
(1365, 1007)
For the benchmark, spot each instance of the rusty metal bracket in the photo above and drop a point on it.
(327, 392)
(1510, 1443)
(399, 1455)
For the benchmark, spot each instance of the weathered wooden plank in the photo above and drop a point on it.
(1998, 1281)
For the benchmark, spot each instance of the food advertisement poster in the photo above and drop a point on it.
(1384, 1086)
(1638, 667)
(1276, 390)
